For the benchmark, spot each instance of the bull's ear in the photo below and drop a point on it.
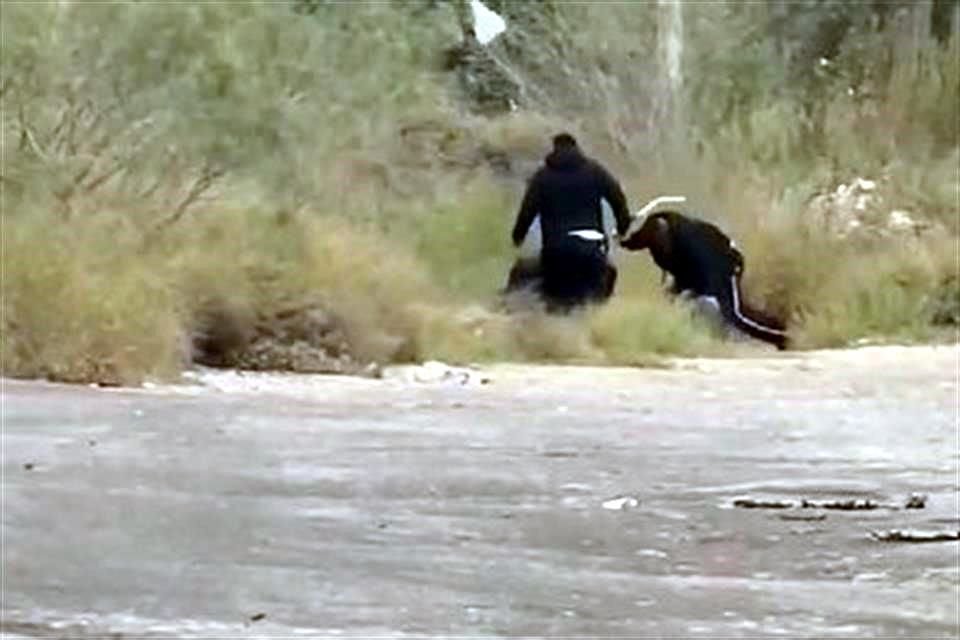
(661, 232)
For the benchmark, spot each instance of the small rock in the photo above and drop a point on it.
(560, 454)
(621, 503)
(812, 517)
(750, 503)
(871, 577)
(257, 617)
(896, 535)
(28, 466)
(916, 501)
(841, 505)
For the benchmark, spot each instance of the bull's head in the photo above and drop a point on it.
(653, 233)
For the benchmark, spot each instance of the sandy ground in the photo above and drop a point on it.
(538, 501)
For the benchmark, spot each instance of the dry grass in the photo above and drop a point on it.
(78, 307)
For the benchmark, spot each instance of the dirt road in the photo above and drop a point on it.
(519, 501)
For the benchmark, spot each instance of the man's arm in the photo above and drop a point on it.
(613, 193)
(529, 209)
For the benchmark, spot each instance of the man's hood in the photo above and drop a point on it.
(565, 159)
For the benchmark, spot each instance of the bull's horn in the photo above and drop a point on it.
(656, 202)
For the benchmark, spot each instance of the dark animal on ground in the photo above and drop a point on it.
(526, 275)
(704, 262)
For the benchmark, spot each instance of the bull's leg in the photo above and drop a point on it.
(750, 321)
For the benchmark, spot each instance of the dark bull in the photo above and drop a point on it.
(704, 263)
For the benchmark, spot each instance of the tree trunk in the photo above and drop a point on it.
(670, 27)
(670, 54)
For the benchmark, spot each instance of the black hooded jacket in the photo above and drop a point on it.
(566, 192)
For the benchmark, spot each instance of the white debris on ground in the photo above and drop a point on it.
(901, 221)
(487, 24)
(621, 503)
(206, 380)
(858, 208)
(203, 380)
(436, 372)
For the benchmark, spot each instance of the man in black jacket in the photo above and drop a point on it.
(567, 193)
(704, 263)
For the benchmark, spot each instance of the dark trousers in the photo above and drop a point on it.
(575, 272)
